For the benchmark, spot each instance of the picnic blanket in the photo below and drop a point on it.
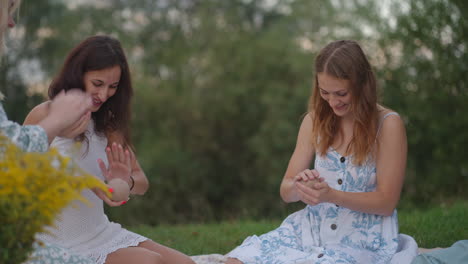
(456, 254)
(209, 259)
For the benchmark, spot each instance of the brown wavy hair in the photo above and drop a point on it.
(98, 53)
(345, 60)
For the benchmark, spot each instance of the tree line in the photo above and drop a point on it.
(221, 88)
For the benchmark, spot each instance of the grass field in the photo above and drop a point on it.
(437, 227)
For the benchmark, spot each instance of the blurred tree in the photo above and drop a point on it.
(22, 51)
(226, 85)
(425, 77)
(221, 88)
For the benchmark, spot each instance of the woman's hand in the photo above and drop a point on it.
(307, 175)
(311, 188)
(120, 163)
(77, 128)
(67, 108)
(103, 196)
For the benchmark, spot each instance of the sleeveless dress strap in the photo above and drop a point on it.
(383, 119)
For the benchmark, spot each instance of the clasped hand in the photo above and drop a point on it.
(311, 188)
(76, 128)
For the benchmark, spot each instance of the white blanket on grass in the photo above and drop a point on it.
(405, 246)
(209, 259)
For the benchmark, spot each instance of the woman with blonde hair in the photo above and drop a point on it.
(351, 194)
(65, 109)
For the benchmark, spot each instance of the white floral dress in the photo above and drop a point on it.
(328, 233)
(34, 139)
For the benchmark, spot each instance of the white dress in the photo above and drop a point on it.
(81, 228)
(328, 233)
(34, 139)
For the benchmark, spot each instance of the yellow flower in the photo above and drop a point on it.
(34, 188)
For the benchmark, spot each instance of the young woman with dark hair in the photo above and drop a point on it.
(99, 67)
(95, 54)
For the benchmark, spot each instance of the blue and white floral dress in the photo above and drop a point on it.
(28, 138)
(328, 233)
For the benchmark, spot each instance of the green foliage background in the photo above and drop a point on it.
(221, 88)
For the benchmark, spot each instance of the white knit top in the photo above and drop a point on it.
(81, 228)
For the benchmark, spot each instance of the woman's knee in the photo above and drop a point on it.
(233, 261)
(135, 255)
(151, 258)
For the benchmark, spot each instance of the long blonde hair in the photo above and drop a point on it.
(345, 60)
(5, 11)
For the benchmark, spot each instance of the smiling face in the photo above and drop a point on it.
(101, 85)
(336, 92)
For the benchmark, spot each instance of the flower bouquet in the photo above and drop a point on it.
(34, 188)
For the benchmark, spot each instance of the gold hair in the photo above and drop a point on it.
(345, 60)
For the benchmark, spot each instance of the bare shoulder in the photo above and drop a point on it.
(38, 113)
(304, 138)
(306, 124)
(390, 122)
(387, 115)
(308, 118)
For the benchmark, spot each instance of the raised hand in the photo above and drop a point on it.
(120, 163)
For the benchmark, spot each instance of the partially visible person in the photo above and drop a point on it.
(65, 109)
(351, 195)
(455, 254)
(99, 67)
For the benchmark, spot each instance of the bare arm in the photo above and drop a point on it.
(391, 166)
(300, 161)
(140, 182)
